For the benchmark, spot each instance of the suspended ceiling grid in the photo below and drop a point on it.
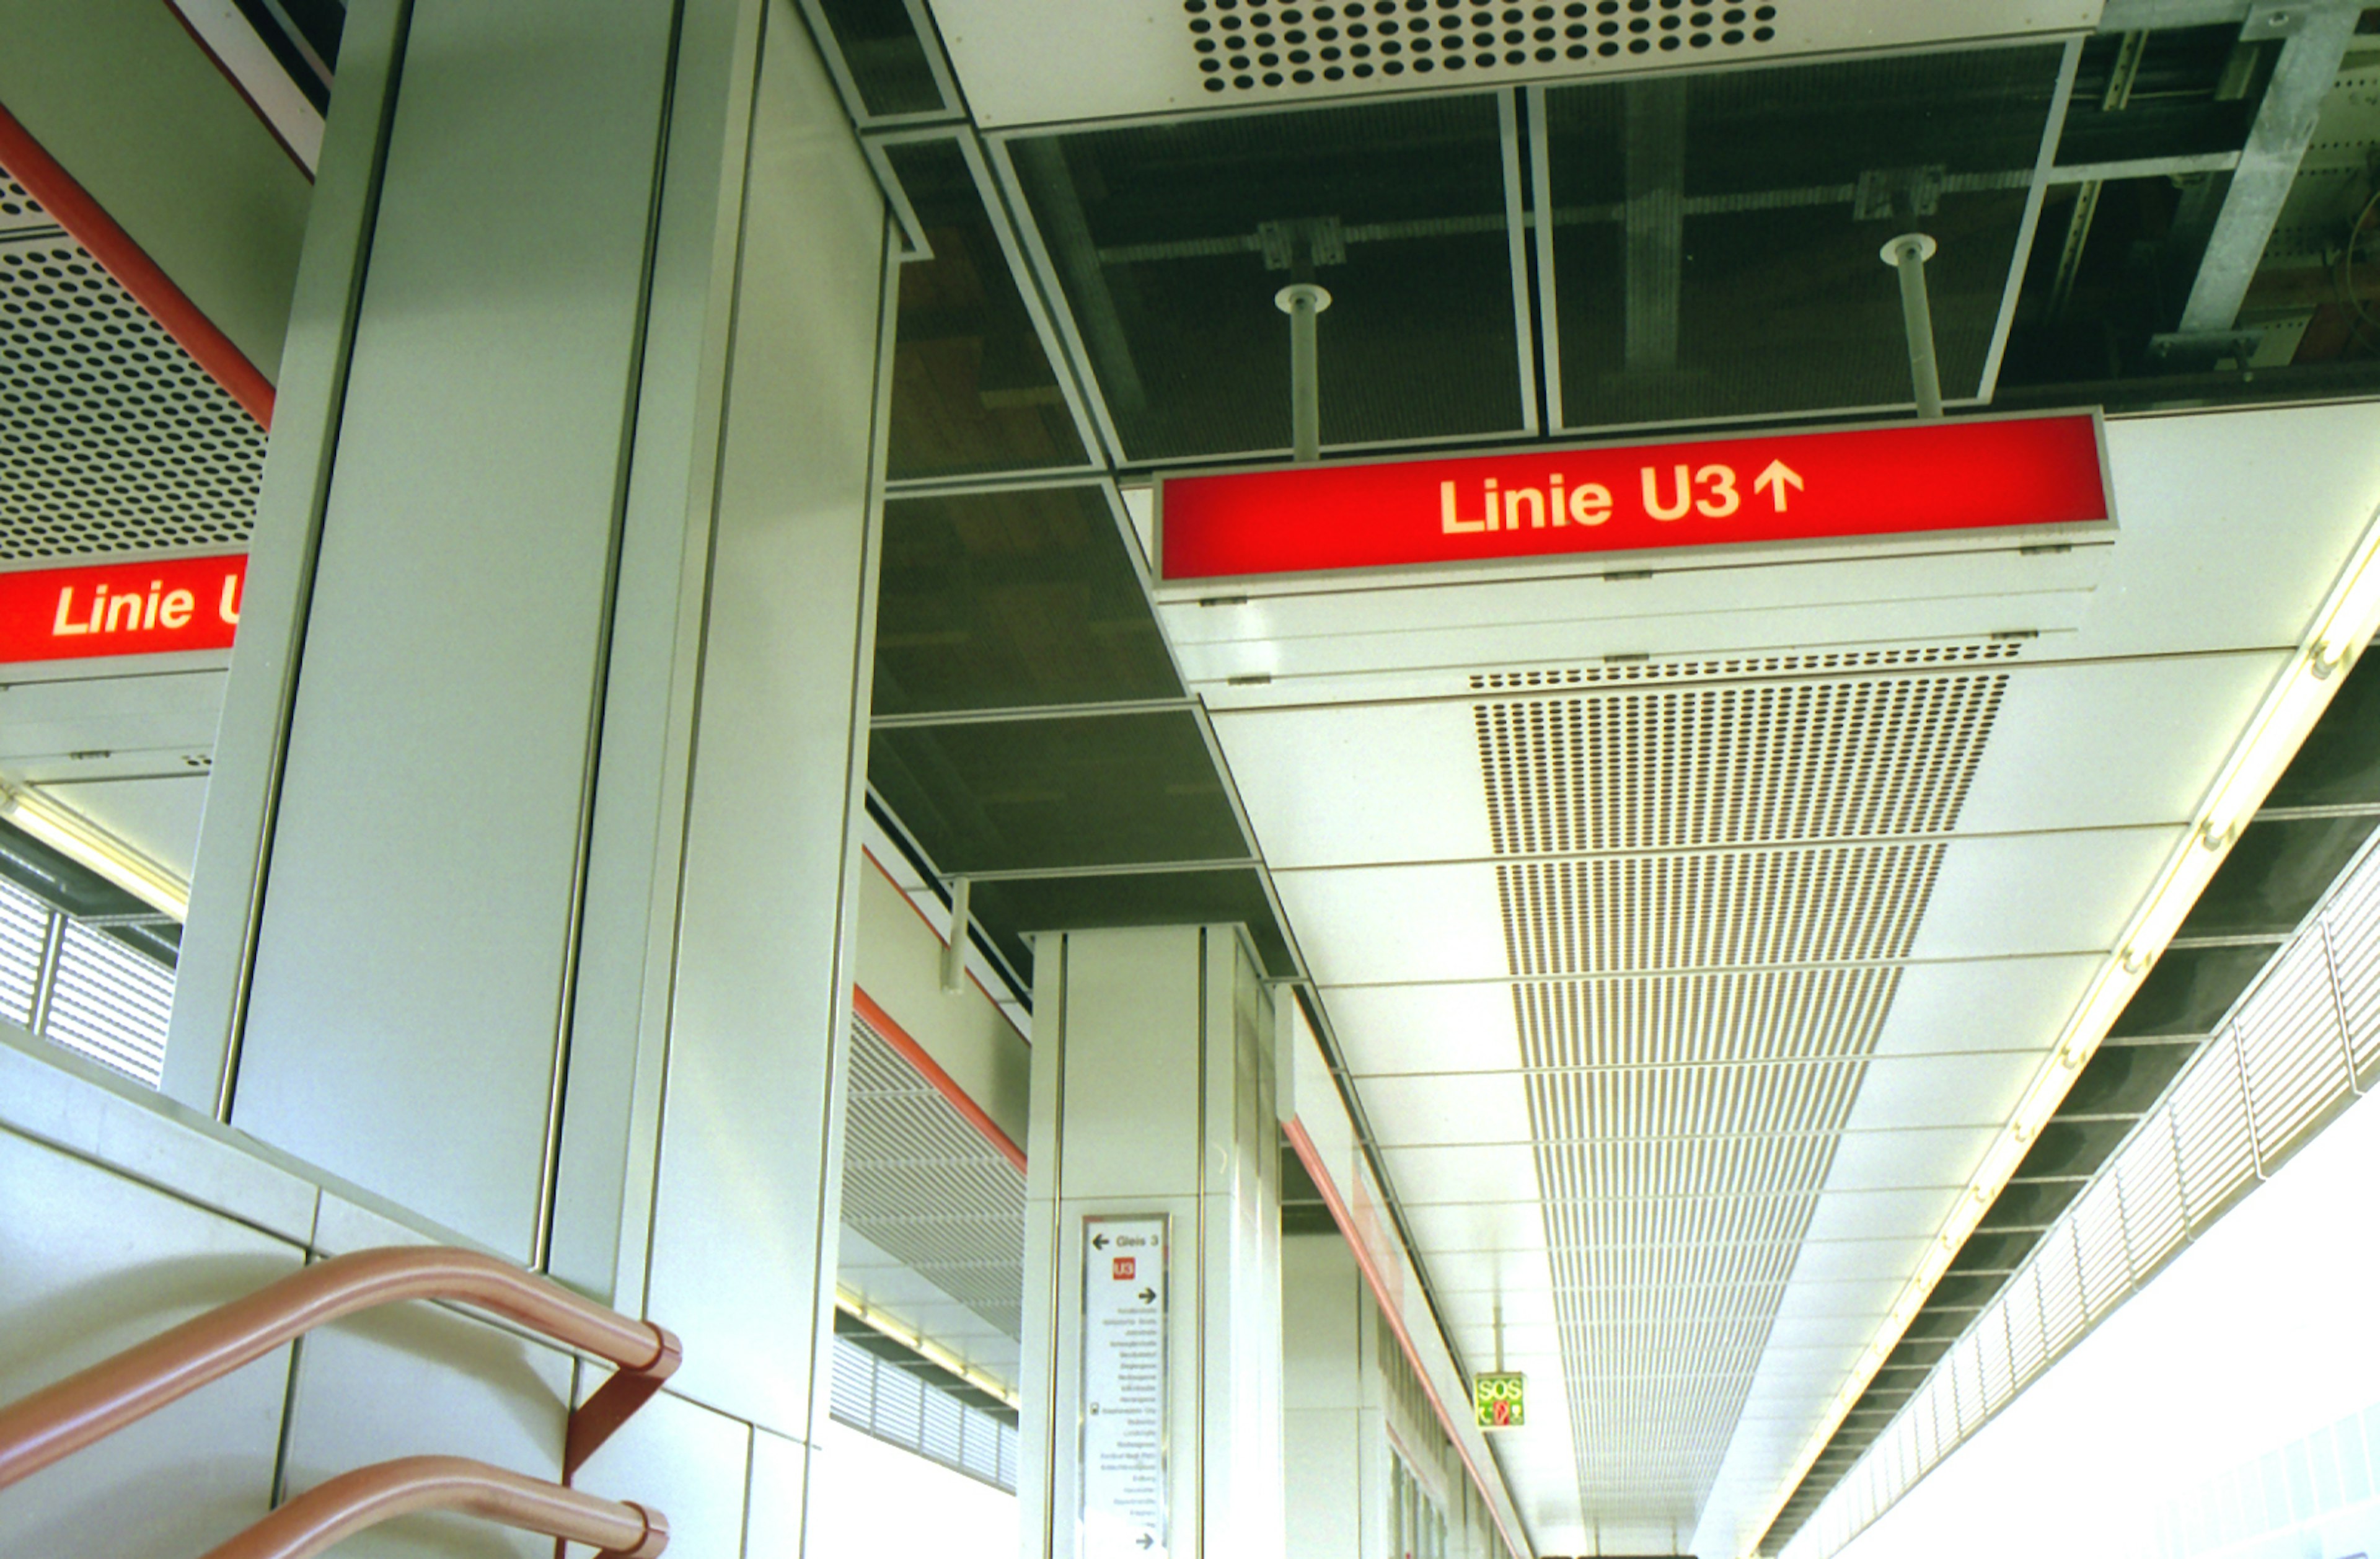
(1684, 995)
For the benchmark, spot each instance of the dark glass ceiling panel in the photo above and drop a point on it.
(2278, 871)
(972, 389)
(1005, 600)
(2339, 764)
(1009, 909)
(880, 46)
(1044, 794)
(1716, 238)
(2189, 989)
(1154, 234)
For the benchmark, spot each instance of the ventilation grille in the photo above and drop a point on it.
(2297, 1049)
(1736, 764)
(1696, 1004)
(1971, 654)
(1833, 904)
(921, 1185)
(112, 439)
(1250, 45)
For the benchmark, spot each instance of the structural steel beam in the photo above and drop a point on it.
(2268, 166)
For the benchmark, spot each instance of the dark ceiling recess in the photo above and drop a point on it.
(1029, 724)
(303, 36)
(973, 389)
(1715, 237)
(1012, 599)
(890, 70)
(2283, 863)
(1168, 242)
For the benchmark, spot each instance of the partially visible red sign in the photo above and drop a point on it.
(120, 609)
(1960, 475)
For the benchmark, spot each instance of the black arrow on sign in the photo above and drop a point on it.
(1099, 1242)
(1148, 1542)
(1148, 1295)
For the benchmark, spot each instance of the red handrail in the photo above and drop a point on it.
(353, 1501)
(61, 1420)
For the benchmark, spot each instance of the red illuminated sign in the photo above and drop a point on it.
(120, 609)
(1963, 475)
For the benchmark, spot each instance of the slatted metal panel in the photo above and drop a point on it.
(110, 1004)
(24, 939)
(880, 1398)
(920, 1182)
(1688, 1072)
(2297, 1049)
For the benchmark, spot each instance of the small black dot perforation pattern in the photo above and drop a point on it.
(18, 210)
(1256, 45)
(112, 439)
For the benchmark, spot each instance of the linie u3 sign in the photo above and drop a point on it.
(1980, 473)
(120, 609)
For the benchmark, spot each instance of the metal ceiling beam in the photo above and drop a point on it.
(2268, 165)
(1655, 218)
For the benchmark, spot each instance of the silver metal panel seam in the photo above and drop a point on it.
(422, 885)
(235, 831)
(738, 1235)
(627, 932)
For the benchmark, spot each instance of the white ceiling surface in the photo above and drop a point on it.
(124, 745)
(1367, 797)
(1047, 61)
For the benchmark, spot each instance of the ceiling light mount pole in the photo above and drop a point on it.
(1303, 302)
(1908, 255)
(1297, 248)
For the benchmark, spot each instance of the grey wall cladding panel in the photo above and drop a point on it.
(90, 1264)
(409, 968)
(742, 1250)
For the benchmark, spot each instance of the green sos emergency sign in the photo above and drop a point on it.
(1499, 1400)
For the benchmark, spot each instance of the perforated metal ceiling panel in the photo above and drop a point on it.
(1044, 61)
(112, 439)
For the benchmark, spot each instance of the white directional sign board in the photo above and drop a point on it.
(1124, 1389)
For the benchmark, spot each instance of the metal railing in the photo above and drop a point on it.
(60, 1419)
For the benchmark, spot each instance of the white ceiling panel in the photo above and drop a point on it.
(2230, 526)
(157, 817)
(1419, 1176)
(1418, 1028)
(1396, 925)
(1882, 1214)
(1341, 665)
(1978, 1088)
(2104, 744)
(2045, 893)
(1484, 1272)
(1457, 1230)
(1994, 1004)
(1443, 1111)
(1319, 795)
(103, 725)
(1025, 62)
(1883, 1161)
(1854, 1260)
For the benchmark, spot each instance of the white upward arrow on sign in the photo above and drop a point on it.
(1777, 477)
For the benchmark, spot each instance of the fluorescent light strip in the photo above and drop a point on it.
(85, 844)
(2341, 629)
(925, 1348)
